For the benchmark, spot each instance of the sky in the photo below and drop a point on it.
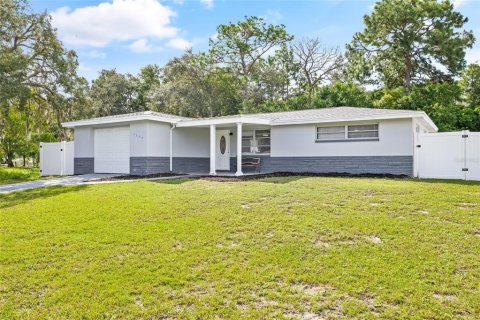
(129, 34)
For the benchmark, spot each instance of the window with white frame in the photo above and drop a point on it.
(348, 132)
(363, 131)
(331, 133)
(256, 141)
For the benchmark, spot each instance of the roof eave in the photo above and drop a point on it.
(222, 121)
(92, 122)
(366, 118)
(428, 122)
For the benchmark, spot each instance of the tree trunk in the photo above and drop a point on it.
(408, 73)
(10, 162)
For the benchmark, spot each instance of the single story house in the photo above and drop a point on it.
(342, 139)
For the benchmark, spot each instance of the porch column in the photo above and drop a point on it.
(212, 149)
(239, 150)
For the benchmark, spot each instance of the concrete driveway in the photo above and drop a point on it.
(63, 181)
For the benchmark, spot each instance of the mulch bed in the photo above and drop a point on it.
(303, 174)
(257, 176)
(136, 177)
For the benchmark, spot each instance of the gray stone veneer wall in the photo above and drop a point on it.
(191, 165)
(396, 165)
(141, 166)
(82, 165)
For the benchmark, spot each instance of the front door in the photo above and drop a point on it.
(222, 152)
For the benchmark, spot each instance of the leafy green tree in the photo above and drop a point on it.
(271, 81)
(148, 78)
(36, 72)
(113, 93)
(13, 136)
(193, 85)
(243, 44)
(340, 94)
(31, 56)
(410, 41)
(470, 84)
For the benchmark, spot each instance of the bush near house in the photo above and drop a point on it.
(284, 247)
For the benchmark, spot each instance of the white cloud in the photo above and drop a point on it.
(142, 46)
(274, 16)
(458, 3)
(95, 54)
(179, 43)
(120, 20)
(473, 55)
(214, 36)
(207, 3)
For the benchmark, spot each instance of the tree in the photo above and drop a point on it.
(410, 41)
(113, 93)
(243, 44)
(338, 94)
(31, 56)
(148, 78)
(35, 71)
(470, 83)
(317, 62)
(271, 81)
(13, 137)
(194, 86)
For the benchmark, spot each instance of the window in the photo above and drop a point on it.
(363, 131)
(256, 142)
(351, 132)
(331, 133)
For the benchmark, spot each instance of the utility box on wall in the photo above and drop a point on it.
(56, 158)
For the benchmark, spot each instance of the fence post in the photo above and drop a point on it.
(465, 134)
(62, 157)
(41, 158)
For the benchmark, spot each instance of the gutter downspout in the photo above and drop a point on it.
(171, 147)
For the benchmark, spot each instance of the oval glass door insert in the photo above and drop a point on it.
(223, 145)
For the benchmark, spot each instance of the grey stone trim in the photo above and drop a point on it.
(141, 166)
(396, 165)
(191, 165)
(82, 165)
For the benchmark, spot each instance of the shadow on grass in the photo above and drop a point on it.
(287, 177)
(445, 181)
(260, 178)
(173, 181)
(14, 198)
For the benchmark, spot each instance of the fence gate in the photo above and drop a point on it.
(56, 158)
(449, 155)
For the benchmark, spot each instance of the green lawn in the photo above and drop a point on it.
(290, 247)
(19, 174)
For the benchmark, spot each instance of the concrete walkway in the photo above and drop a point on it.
(64, 181)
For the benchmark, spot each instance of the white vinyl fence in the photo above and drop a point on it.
(449, 155)
(56, 158)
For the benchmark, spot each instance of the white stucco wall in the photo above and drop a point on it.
(191, 142)
(195, 142)
(149, 139)
(83, 137)
(395, 139)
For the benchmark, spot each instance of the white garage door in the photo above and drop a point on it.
(112, 150)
